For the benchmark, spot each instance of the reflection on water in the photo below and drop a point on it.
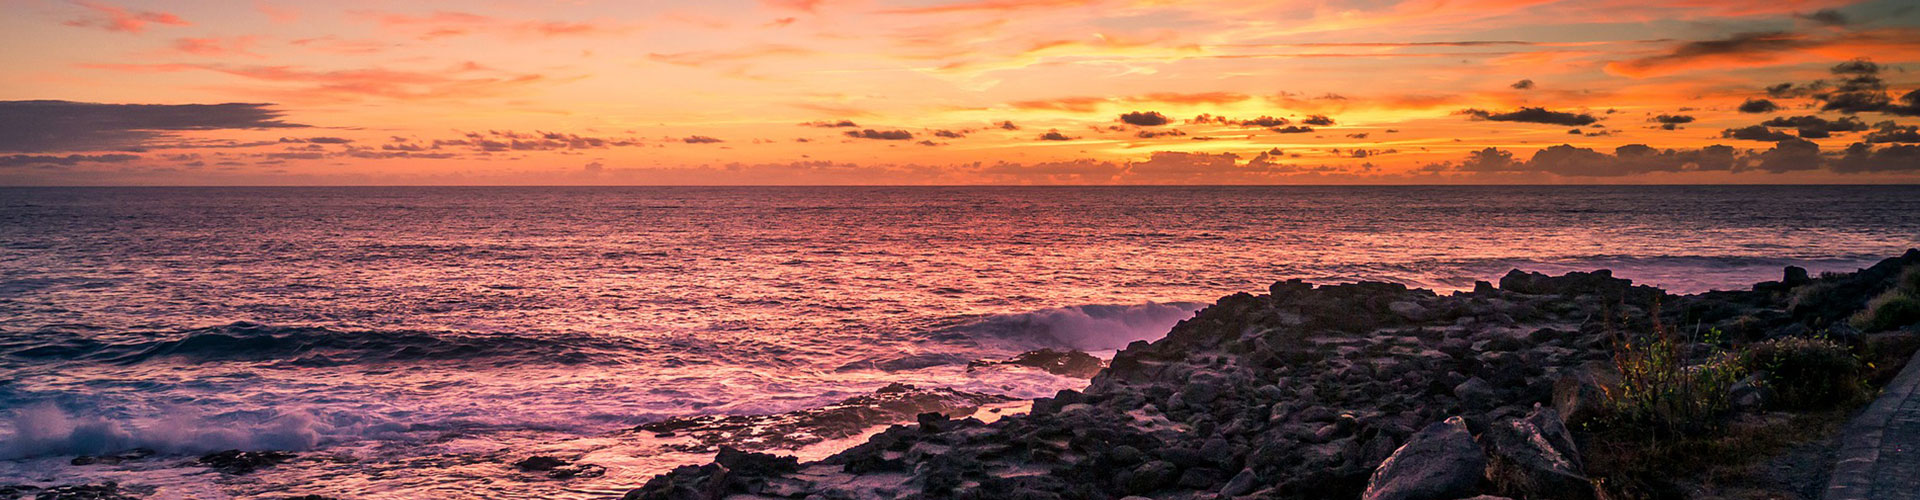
(415, 341)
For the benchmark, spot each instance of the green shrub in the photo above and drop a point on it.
(1660, 392)
(1897, 307)
(1808, 372)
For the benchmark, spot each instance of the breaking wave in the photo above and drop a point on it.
(1087, 327)
(314, 346)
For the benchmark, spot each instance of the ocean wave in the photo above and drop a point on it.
(1097, 327)
(317, 346)
(49, 430)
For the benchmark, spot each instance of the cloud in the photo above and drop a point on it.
(885, 135)
(1789, 155)
(1758, 106)
(64, 161)
(1855, 88)
(1292, 129)
(114, 18)
(807, 6)
(507, 140)
(1890, 132)
(1573, 161)
(1155, 134)
(1534, 115)
(1522, 85)
(989, 6)
(1144, 119)
(1814, 127)
(1672, 122)
(1861, 158)
(1006, 125)
(1755, 133)
(1319, 120)
(1054, 135)
(949, 134)
(33, 126)
(1760, 49)
(700, 139)
(354, 83)
(217, 47)
(316, 140)
(1825, 17)
(443, 23)
(830, 124)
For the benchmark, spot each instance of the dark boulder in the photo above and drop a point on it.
(1579, 395)
(1535, 458)
(1441, 462)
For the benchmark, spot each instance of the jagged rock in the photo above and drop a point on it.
(114, 459)
(238, 462)
(1748, 393)
(1441, 462)
(1579, 395)
(1152, 476)
(732, 472)
(1474, 392)
(559, 468)
(1309, 392)
(893, 403)
(1535, 458)
(1795, 276)
(538, 463)
(1241, 484)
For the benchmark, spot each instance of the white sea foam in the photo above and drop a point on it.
(47, 430)
(1086, 327)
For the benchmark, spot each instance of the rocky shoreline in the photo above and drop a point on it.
(1364, 390)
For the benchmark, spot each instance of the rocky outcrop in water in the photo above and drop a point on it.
(1069, 363)
(238, 462)
(1310, 392)
(893, 403)
(103, 491)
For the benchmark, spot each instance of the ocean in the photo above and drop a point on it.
(411, 341)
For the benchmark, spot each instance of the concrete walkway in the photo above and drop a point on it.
(1880, 449)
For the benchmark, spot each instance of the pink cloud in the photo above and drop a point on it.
(114, 18)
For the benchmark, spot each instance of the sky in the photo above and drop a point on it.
(798, 92)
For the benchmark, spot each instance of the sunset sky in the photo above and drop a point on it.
(958, 92)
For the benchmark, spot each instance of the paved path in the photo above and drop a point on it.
(1880, 449)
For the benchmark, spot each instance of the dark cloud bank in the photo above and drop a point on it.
(47, 126)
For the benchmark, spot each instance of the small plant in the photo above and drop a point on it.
(1808, 372)
(1660, 391)
(1897, 307)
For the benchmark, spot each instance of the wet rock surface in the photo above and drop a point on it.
(1068, 363)
(114, 459)
(1303, 393)
(238, 462)
(893, 403)
(559, 468)
(102, 491)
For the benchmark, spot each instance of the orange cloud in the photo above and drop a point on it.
(451, 23)
(114, 18)
(347, 84)
(799, 5)
(217, 47)
(989, 6)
